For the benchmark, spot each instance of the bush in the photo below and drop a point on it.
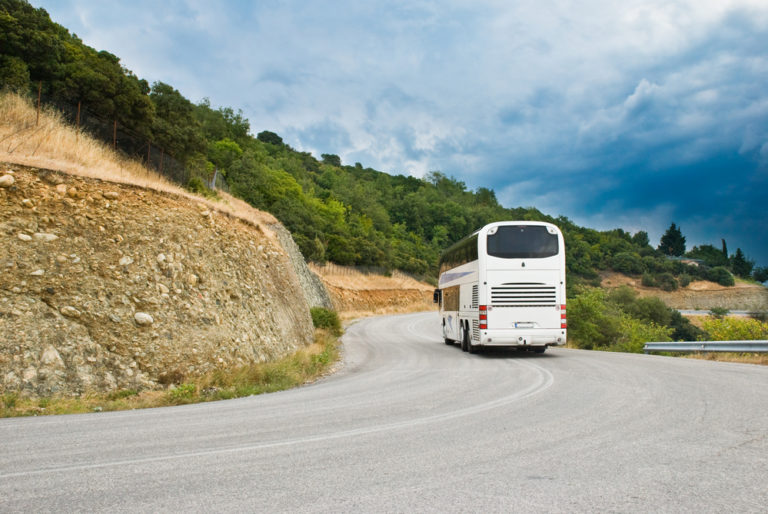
(635, 333)
(182, 392)
(620, 321)
(666, 281)
(650, 309)
(735, 329)
(759, 315)
(627, 263)
(197, 186)
(592, 323)
(685, 280)
(720, 275)
(327, 319)
(658, 264)
(718, 312)
(648, 280)
(684, 330)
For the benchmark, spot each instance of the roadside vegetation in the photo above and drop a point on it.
(304, 366)
(620, 321)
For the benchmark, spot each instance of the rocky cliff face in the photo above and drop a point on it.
(314, 291)
(106, 286)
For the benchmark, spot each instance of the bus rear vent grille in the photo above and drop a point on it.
(523, 295)
(474, 297)
(475, 330)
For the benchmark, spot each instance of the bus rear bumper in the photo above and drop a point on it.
(518, 338)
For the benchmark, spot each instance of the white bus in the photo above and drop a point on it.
(504, 285)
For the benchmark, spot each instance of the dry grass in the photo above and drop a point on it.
(746, 358)
(350, 278)
(53, 144)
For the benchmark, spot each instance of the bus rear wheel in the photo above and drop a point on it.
(464, 339)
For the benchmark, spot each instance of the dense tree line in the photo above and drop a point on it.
(348, 214)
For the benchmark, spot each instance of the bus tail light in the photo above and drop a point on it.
(483, 317)
(563, 319)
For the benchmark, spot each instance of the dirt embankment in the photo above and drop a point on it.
(698, 295)
(106, 286)
(355, 294)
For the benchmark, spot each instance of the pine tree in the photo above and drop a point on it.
(672, 242)
(740, 265)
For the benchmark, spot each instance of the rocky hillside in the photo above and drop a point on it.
(355, 294)
(698, 295)
(107, 286)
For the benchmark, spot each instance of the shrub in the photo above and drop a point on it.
(592, 322)
(648, 280)
(197, 186)
(620, 321)
(685, 280)
(759, 315)
(720, 275)
(650, 309)
(183, 392)
(666, 281)
(718, 312)
(684, 330)
(735, 329)
(658, 264)
(327, 319)
(623, 296)
(628, 263)
(635, 333)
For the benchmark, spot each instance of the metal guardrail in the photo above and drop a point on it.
(709, 346)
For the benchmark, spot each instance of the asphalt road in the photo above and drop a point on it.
(410, 424)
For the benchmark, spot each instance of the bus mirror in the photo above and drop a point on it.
(436, 296)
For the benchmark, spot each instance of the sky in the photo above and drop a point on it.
(631, 114)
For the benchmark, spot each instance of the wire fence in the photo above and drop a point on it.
(333, 269)
(128, 142)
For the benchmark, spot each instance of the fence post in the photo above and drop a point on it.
(77, 133)
(162, 153)
(149, 150)
(213, 181)
(39, 93)
(114, 134)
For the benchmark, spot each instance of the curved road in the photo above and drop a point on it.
(410, 424)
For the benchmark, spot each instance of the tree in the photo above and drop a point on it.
(266, 136)
(175, 128)
(14, 73)
(641, 239)
(709, 254)
(223, 153)
(760, 273)
(672, 242)
(331, 159)
(740, 265)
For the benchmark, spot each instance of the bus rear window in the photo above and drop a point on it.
(522, 242)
